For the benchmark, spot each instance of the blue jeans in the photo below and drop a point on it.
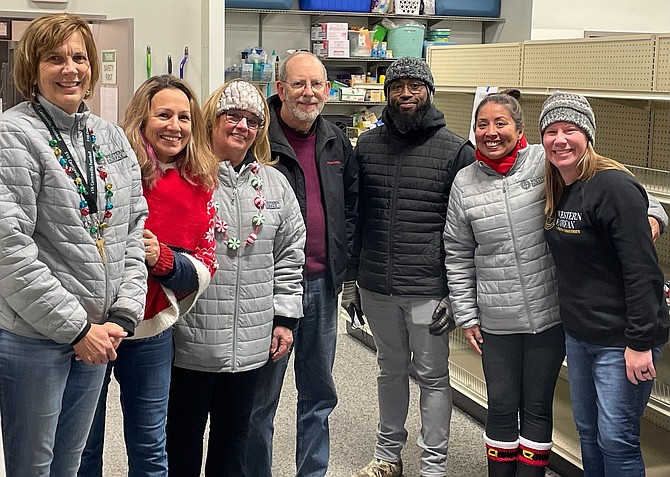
(142, 369)
(607, 409)
(47, 401)
(314, 343)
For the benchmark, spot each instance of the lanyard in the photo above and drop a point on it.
(90, 188)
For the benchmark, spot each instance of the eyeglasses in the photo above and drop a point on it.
(413, 86)
(317, 85)
(252, 123)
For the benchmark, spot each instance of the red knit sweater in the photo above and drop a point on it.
(181, 215)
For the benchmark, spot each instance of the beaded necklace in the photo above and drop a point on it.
(221, 226)
(94, 221)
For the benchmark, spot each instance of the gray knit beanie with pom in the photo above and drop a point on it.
(571, 108)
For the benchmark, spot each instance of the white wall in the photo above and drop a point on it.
(167, 25)
(570, 18)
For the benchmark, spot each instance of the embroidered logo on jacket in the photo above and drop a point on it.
(116, 156)
(528, 183)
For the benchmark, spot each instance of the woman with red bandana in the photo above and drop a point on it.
(503, 288)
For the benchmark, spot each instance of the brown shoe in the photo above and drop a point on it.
(380, 468)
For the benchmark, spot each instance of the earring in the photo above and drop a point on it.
(87, 94)
(33, 91)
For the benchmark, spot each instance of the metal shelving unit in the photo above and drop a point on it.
(318, 14)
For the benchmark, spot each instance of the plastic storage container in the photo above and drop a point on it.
(360, 43)
(268, 4)
(468, 8)
(336, 5)
(406, 41)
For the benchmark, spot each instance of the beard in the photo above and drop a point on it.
(306, 116)
(405, 121)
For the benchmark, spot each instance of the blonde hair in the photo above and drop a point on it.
(261, 145)
(587, 166)
(43, 36)
(196, 162)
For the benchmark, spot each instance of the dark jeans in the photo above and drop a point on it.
(227, 399)
(521, 372)
(314, 343)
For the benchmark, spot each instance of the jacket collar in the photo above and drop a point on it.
(279, 143)
(63, 120)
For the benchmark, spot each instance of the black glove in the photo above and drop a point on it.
(351, 302)
(443, 318)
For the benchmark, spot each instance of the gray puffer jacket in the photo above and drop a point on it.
(52, 278)
(500, 272)
(230, 327)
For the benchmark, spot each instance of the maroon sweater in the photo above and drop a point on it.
(304, 146)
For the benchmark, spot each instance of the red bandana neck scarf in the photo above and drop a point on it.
(504, 164)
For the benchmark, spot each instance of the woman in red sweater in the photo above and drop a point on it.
(165, 127)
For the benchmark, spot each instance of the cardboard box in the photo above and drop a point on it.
(318, 33)
(376, 95)
(330, 31)
(353, 94)
(320, 48)
(331, 48)
(338, 48)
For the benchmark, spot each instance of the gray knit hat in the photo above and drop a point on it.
(409, 67)
(571, 108)
(243, 96)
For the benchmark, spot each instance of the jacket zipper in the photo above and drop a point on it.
(394, 204)
(238, 272)
(516, 255)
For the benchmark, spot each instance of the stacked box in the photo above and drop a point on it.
(330, 31)
(332, 40)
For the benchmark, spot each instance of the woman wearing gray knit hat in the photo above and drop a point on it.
(610, 287)
(247, 314)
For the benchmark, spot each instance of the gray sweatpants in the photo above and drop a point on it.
(400, 329)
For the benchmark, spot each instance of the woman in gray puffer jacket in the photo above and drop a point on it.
(502, 285)
(254, 301)
(72, 273)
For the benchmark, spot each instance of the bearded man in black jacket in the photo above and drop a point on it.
(406, 168)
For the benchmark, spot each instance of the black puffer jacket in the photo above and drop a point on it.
(338, 174)
(405, 182)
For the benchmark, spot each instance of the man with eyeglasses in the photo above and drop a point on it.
(317, 158)
(406, 168)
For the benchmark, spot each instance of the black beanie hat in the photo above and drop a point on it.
(409, 67)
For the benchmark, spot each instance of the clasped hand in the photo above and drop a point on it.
(99, 345)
